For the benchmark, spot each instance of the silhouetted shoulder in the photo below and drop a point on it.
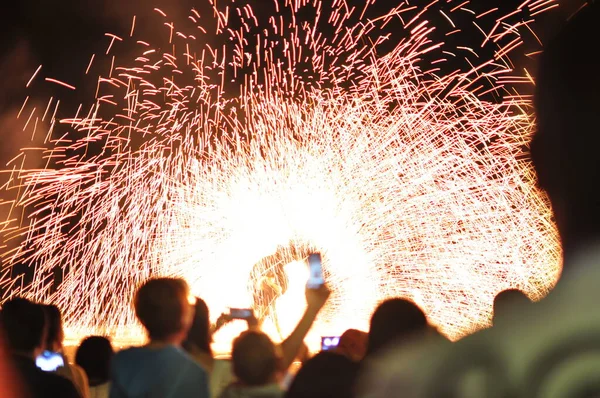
(51, 385)
(42, 384)
(157, 372)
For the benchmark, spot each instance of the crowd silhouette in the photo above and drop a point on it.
(549, 348)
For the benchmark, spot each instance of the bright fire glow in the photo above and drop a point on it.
(200, 157)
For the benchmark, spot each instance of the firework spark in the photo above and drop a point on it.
(201, 157)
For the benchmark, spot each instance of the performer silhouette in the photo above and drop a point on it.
(268, 280)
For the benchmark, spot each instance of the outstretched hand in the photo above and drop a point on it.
(252, 322)
(223, 320)
(292, 346)
(303, 354)
(226, 318)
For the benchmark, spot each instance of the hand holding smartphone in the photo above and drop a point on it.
(241, 313)
(315, 278)
(245, 314)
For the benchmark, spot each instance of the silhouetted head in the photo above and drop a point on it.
(327, 375)
(163, 308)
(23, 324)
(94, 355)
(199, 336)
(353, 344)
(509, 300)
(255, 359)
(394, 320)
(566, 146)
(55, 334)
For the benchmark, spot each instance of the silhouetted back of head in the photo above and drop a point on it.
(353, 344)
(254, 359)
(509, 300)
(23, 323)
(393, 320)
(55, 333)
(162, 307)
(327, 375)
(94, 356)
(199, 334)
(565, 148)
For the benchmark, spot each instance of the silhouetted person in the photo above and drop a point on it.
(326, 375)
(94, 356)
(394, 320)
(550, 348)
(353, 345)
(508, 301)
(259, 365)
(199, 338)
(24, 327)
(198, 345)
(161, 368)
(256, 365)
(54, 342)
(268, 280)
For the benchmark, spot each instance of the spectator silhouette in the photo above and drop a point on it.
(256, 365)
(551, 348)
(94, 356)
(161, 368)
(353, 345)
(395, 319)
(327, 375)
(24, 327)
(198, 345)
(259, 365)
(199, 337)
(54, 342)
(507, 301)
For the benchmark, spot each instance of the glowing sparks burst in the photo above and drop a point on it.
(407, 179)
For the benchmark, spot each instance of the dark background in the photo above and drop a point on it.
(62, 34)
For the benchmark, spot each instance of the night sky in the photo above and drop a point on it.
(62, 34)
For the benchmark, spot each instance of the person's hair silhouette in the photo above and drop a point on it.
(199, 334)
(326, 375)
(255, 360)
(394, 319)
(509, 300)
(94, 356)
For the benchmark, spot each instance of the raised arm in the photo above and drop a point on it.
(223, 320)
(291, 346)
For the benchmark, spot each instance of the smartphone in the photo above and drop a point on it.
(241, 313)
(315, 278)
(329, 343)
(50, 361)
